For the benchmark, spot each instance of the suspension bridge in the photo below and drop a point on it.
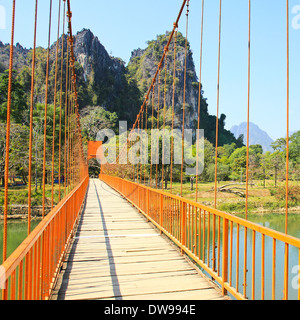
(124, 235)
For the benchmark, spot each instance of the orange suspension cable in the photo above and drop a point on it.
(184, 94)
(142, 146)
(72, 138)
(164, 121)
(161, 61)
(247, 160)
(54, 107)
(287, 116)
(138, 164)
(76, 110)
(158, 106)
(46, 107)
(217, 136)
(68, 113)
(173, 109)
(199, 99)
(286, 248)
(61, 98)
(248, 112)
(66, 117)
(152, 126)
(69, 128)
(7, 146)
(31, 120)
(218, 102)
(146, 127)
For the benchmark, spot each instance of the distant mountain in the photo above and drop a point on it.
(257, 135)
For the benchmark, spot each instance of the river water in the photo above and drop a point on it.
(16, 234)
(276, 222)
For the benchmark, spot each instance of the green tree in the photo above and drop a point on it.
(94, 119)
(18, 160)
(18, 98)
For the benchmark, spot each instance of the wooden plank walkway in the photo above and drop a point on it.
(117, 255)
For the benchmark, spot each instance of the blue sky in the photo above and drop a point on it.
(123, 26)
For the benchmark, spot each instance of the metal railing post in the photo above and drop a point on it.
(183, 223)
(147, 203)
(225, 256)
(161, 211)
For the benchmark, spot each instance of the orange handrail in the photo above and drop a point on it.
(188, 224)
(43, 250)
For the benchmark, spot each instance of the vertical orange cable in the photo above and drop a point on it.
(54, 108)
(164, 121)
(184, 93)
(142, 146)
(7, 146)
(69, 126)
(138, 164)
(158, 106)
(286, 248)
(152, 126)
(31, 121)
(217, 136)
(60, 112)
(218, 102)
(77, 130)
(73, 137)
(199, 99)
(287, 117)
(146, 127)
(247, 160)
(46, 107)
(66, 117)
(248, 112)
(173, 108)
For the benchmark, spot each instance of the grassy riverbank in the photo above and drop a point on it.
(18, 200)
(261, 200)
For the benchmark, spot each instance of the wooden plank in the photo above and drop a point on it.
(116, 254)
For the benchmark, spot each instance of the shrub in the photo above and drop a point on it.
(293, 194)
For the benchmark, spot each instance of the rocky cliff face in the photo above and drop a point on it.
(20, 56)
(94, 59)
(101, 79)
(143, 65)
(105, 81)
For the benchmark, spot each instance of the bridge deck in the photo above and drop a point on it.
(116, 254)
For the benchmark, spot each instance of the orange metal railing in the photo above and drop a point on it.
(31, 270)
(214, 240)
